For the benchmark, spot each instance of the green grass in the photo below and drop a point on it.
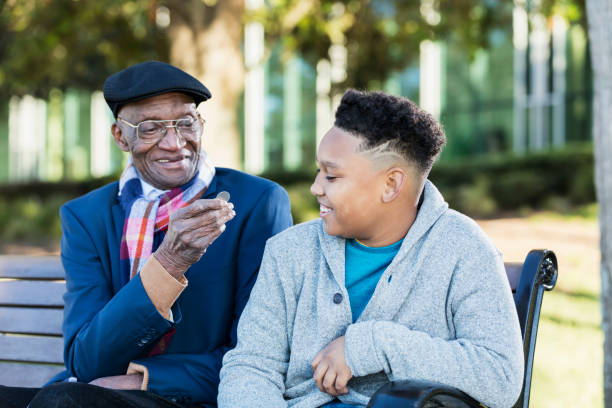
(582, 212)
(569, 352)
(568, 365)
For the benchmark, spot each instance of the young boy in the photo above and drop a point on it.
(388, 284)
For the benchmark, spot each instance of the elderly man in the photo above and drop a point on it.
(160, 264)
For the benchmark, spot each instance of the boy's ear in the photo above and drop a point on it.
(395, 181)
(119, 138)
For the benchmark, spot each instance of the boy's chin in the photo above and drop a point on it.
(333, 230)
(329, 229)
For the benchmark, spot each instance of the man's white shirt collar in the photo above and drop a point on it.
(149, 192)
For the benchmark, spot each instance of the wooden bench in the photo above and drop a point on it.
(31, 313)
(31, 346)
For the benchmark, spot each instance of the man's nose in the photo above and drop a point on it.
(172, 140)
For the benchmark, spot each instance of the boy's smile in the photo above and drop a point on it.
(324, 210)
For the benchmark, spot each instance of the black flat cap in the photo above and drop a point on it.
(148, 79)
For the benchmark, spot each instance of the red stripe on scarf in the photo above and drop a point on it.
(161, 223)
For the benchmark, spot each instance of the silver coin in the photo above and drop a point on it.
(224, 195)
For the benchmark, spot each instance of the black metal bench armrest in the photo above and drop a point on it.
(420, 394)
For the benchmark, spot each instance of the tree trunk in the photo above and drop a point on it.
(599, 14)
(205, 40)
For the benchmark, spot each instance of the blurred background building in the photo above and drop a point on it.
(521, 83)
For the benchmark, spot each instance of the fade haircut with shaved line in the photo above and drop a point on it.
(391, 125)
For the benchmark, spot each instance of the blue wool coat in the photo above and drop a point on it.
(107, 326)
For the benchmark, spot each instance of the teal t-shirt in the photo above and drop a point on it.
(363, 268)
(337, 404)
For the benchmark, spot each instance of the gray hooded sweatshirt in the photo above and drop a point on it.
(441, 311)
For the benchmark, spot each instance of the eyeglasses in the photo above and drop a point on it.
(152, 131)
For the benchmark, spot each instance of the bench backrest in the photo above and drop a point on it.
(31, 313)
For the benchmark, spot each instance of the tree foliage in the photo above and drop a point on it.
(380, 35)
(47, 44)
(573, 10)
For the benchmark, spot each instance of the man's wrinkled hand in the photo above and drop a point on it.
(191, 230)
(331, 372)
(120, 382)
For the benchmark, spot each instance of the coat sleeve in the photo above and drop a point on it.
(102, 332)
(194, 378)
(485, 357)
(253, 373)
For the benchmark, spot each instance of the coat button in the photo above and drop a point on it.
(338, 298)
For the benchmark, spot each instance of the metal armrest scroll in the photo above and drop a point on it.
(547, 273)
(420, 394)
(539, 275)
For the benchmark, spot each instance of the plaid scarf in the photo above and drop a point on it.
(144, 218)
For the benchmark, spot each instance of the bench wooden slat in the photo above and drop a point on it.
(27, 375)
(31, 267)
(33, 321)
(31, 348)
(31, 303)
(513, 272)
(32, 293)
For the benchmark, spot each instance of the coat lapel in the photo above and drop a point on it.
(333, 252)
(211, 191)
(118, 221)
(115, 236)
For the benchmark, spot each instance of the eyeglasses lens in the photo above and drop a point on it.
(150, 131)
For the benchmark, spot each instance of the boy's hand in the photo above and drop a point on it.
(330, 369)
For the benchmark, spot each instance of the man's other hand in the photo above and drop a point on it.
(190, 231)
(331, 372)
(120, 382)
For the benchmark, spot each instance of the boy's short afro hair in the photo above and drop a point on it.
(380, 118)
